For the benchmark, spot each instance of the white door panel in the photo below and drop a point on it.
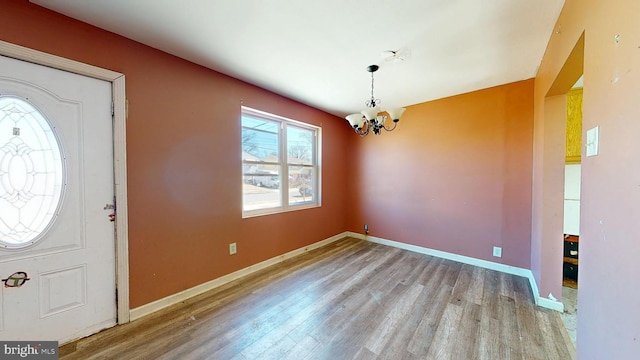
(71, 291)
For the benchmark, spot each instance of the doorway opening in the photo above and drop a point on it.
(571, 222)
(563, 108)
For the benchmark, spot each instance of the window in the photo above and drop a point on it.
(280, 167)
(31, 173)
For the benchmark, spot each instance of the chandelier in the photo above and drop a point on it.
(372, 119)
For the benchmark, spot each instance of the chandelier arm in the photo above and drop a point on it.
(373, 102)
(390, 129)
(364, 130)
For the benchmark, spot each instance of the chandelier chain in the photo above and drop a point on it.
(373, 102)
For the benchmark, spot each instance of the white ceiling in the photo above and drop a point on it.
(317, 51)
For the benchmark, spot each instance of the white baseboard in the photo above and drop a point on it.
(550, 304)
(199, 289)
(540, 301)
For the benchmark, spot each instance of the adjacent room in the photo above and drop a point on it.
(332, 180)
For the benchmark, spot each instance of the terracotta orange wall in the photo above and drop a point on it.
(183, 148)
(608, 297)
(454, 176)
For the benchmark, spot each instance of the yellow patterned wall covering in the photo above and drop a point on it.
(574, 126)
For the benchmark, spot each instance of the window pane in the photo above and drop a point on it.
(261, 187)
(259, 140)
(302, 188)
(299, 145)
(256, 123)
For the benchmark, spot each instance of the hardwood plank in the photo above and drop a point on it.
(427, 272)
(488, 344)
(365, 354)
(467, 333)
(475, 291)
(510, 346)
(402, 341)
(302, 350)
(396, 312)
(491, 294)
(461, 287)
(528, 328)
(424, 333)
(545, 329)
(505, 284)
(269, 348)
(571, 349)
(444, 340)
(555, 332)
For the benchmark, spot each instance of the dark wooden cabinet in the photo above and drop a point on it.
(571, 248)
(570, 271)
(570, 261)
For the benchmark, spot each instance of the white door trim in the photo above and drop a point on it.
(119, 154)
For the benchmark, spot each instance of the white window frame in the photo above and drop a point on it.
(284, 164)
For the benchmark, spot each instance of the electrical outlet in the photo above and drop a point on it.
(366, 228)
(497, 251)
(232, 248)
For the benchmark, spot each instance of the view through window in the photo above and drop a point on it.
(280, 169)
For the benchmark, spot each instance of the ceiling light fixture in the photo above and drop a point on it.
(372, 119)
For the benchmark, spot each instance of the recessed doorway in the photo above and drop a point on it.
(571, 221)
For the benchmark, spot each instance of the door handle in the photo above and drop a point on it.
(17, 279)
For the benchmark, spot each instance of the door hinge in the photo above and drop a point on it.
(111, 206)
(113, 109)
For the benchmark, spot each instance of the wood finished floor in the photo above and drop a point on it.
(349, 300)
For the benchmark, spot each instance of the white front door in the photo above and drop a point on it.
(56, 188)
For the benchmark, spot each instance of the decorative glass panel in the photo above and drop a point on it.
(31, 173)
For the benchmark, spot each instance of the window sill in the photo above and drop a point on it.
(273, 211)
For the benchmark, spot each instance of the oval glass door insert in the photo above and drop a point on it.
(31, 173)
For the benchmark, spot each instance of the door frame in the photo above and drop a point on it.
(119, 155)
